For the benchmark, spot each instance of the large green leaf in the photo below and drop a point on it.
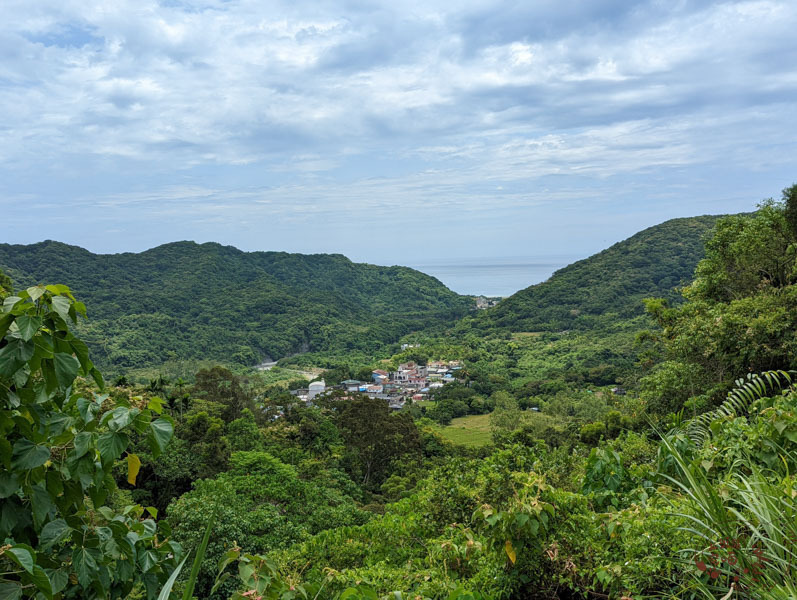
(111, 445)
(23, 557)
(119, 418)
(54, 532)
(66, 368)
(9, 483)
(10, 302)
(5, 323)
(160, 432)
(41, 503)
(28, 326)
(57, 289)
(85, 566)
(10, 591)
(61, 305)
(83, 442)
(58, 579)
(9, 361)
(147, 560)
(35, 292)
(28, 455)
(82, 352)
(25, 350)
(97, 376)
(88, 409)
(42, 582)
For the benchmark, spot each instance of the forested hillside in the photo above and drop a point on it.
(580, 328)
(609, 285)
(207, 301)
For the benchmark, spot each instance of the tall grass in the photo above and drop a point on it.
(188, 590)
(747, 525)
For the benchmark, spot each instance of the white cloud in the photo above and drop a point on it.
(337, 107)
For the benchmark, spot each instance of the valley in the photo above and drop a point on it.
(596, 434)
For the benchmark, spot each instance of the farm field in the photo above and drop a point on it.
(473, 430)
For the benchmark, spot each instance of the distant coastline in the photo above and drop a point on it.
(494, 276)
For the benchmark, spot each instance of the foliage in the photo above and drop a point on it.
(740, 315)
(608, 482)
(744, 531)
(222, 393)
(745, 252)
(252, 306)
(739, 401)
(60, 442)
(260, 503)
(505, 418)
(6, 286)
(737, 476)
(374, 438)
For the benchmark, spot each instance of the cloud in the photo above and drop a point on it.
(299, 112)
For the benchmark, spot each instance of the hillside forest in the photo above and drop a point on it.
(625, 430)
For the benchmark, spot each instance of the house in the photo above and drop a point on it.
(351, 385)
(380, 376)
(409, 372)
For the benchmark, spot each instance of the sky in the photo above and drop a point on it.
(402, 132)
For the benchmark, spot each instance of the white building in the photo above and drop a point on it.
(316, 388)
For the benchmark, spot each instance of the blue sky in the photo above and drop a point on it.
(397, 132)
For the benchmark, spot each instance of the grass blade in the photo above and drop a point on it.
(200, 556)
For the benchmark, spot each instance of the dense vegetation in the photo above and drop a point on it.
(188, 301)
(679, 485)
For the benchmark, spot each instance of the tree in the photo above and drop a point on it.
(790, 203)
(205, 435)
(374, 438)
(59, 442)
(740, 315)
(223, 388)
(261, 504)
(746, 253)
(243, 433)
(6, 286)
(506, 416)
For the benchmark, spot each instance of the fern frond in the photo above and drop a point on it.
(739, 400)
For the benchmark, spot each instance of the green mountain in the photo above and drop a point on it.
(608, 286)
(206, 301)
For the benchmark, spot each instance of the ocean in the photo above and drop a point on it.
(502, 276)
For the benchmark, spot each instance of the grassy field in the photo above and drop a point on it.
(473, 430)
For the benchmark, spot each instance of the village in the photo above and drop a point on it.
(410, 381)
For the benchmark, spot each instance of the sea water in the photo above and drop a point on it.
(494, 276)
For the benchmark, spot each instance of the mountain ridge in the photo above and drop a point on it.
(242, 307)
(609, 285)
